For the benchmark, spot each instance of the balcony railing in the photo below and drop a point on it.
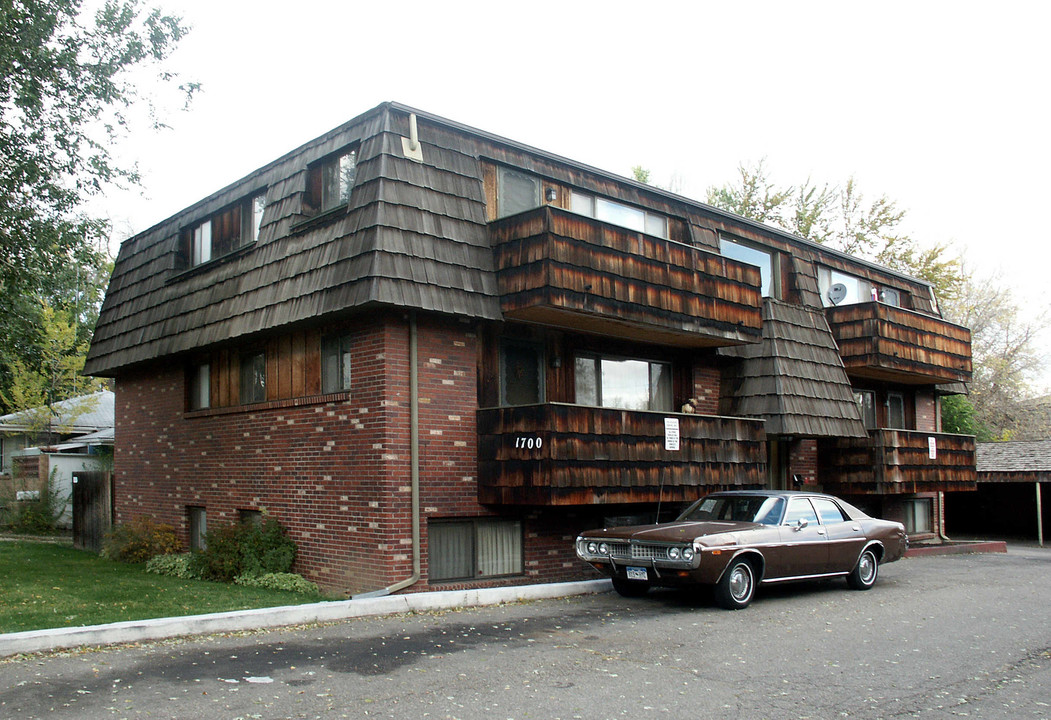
(566, 270)
(884, 342)
(891, 462)
(556, 454)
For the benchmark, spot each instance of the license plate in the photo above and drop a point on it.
(635, 573)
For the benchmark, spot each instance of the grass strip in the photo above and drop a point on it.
(51, 586)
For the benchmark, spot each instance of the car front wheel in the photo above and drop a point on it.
(630, 588)
(863, 576)
(736, 587)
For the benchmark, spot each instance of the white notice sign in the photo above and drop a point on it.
(671, 433)
(932, 448)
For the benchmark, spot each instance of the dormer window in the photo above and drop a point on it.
(516, 192)
(224, 232)
(764, 259)
(840, 288)
(330, 181)
(618, 213)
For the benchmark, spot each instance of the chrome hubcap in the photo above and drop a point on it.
(740, 582)
(867, 569)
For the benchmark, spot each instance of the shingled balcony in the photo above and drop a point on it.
(883, 342)
(560, 454)
(892, 462)
(561, 269)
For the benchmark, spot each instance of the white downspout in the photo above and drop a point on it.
(414, 464)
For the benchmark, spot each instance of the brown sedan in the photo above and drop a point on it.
(736, 540)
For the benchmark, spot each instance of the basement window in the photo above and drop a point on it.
(475, 548)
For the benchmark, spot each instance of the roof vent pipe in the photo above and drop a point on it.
(410, 146)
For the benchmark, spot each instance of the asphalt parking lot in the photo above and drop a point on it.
(938, 637)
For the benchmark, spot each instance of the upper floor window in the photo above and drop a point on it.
(335, 363)
(227, 230)
(840, 288)
(866, 401)
(253, 377)
(765, 260)
(618, 213)
(896, 411)
(516, 192)
(625, 383)
(330, 181)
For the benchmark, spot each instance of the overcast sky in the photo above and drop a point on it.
(942, 106)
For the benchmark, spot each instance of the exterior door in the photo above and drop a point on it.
(805, 540)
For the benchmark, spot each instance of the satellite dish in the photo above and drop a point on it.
(836, 293)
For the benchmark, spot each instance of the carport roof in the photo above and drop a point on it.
(1014, 457)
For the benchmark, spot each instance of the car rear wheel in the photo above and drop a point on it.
(863, 576)
(737, 586)
(630, 588)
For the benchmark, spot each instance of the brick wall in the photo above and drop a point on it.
(926, 412)
(334, 470)
(706, 380)
(802, 461)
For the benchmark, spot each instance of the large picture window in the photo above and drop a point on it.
(765, 260)
(618, 213)
(476, 548)
(625, 383)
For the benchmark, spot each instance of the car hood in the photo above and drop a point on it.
(671, 532)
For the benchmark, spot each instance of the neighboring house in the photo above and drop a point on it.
(1012, 498)
(437, 355)
(78, 436)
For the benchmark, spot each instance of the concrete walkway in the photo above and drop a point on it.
(32, 641)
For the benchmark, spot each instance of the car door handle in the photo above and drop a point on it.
(855, 528)
(821, 531)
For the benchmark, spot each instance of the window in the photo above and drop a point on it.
(800, 509)
(330, 181)
(479, 548)
(828, 511)
(224, 232)
(623, 383)
(250, 517)
(618, 213)
(198, 520)
(253, 377)
(521, 373)
(335, 363)
(516, 192)
(765, 260)
(889, 296)
(867, 406)
(918, 515)
(200, 386)
(896, 411)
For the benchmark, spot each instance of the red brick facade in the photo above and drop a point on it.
(334, 469)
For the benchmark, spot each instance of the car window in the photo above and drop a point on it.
(800, 509)
(828, 511)
(742, 508)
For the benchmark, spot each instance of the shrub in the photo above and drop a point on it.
(279, 581)
(139, 540)
(174, 565)
(244, 549)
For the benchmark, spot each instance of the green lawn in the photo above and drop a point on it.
(49, 586)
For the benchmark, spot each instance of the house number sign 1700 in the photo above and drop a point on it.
(527, 442)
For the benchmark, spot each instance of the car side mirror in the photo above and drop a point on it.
(801, 523)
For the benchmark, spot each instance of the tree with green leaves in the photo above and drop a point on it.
(68, 93)
(840, 217)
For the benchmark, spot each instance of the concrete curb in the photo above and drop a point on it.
(958, 548)
(34, 641)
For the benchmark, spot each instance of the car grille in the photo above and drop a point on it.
(637, 551)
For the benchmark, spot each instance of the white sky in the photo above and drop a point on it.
(942, 106)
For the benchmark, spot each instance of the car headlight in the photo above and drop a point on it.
(603, 549)
(687, 554)
(673, 553)
(592, 547)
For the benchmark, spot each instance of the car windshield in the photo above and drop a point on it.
(741, 508)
